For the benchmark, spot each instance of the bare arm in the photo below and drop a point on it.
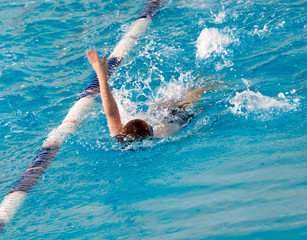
(108, 101)
(193, 96)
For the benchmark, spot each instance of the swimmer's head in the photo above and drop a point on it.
(135, 130)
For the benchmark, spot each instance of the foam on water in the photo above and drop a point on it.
(169, 92)
(214, 43)
(211, 41)
(220, 17)
(249, 103)
(226, 175)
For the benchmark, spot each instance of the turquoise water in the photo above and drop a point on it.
(237, 171)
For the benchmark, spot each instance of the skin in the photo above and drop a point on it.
(108, 102)
(110, 106)
(190, 98)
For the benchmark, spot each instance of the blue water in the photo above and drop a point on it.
(237, 171)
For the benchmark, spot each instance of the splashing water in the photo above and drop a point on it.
(220, 17)
(226, 175)
(214, 45)
(210, 41)
(248, 103)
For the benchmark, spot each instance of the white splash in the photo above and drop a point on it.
(281, 24)
(258, 31)
(249, 102)
(212, 41)
(281, 95)
(220, 17)
(175, 89)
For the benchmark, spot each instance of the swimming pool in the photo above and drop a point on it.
(237, 171)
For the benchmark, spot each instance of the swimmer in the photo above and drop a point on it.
(134, 129)
(138, 129)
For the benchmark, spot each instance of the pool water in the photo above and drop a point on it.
(237, 171)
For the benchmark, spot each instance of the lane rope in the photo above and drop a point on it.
(17, 194)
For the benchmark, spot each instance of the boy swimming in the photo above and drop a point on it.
(134, 129)
(138, 129)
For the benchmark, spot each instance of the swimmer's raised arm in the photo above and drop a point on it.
(108, 101)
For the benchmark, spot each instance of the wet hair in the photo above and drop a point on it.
(134, 130)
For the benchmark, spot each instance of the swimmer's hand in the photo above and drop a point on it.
(108, 102)
(101, 68)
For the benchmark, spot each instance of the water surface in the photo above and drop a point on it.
(237, 171)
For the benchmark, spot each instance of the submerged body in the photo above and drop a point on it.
(178, 113)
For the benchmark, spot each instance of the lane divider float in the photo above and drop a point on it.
(17, 194)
